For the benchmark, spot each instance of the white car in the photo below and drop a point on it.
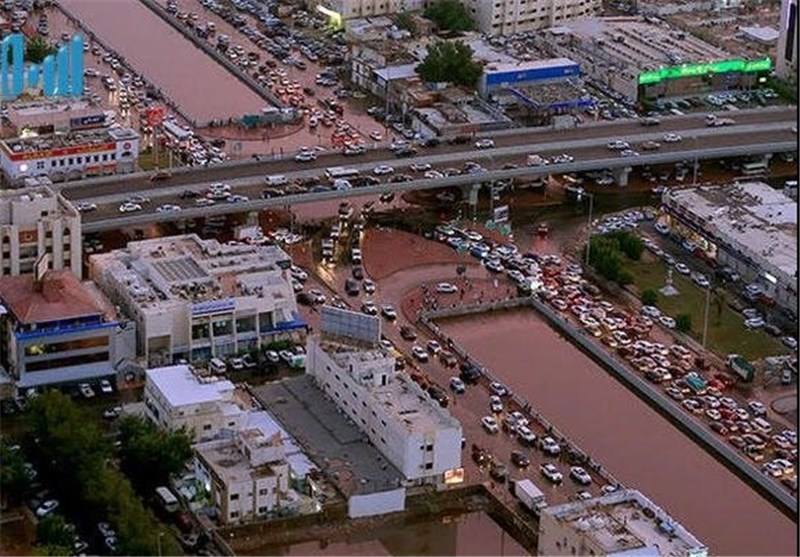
(420, 167)
(457, 385)
(757, 408)
(789, 342)
(305, 156)
(369, 286)
(490, 424)
(580, 475)
(419, 353)
(86, 390)
(526, 436)
(671, 138)
(85, 207)
(446, 288)
(662, 228)
(755, 323)
(434, 347)
(129, 207)
(382, 170)
(46, 508)
(389, 312)
(700, 280)
(549, 446)
(105, 387)
(498, 388)
(484, 144)
(552, 474)
(683, 269)
(168, 208)
(376, 136)
(618, 145)
(495, 404)
(651, 311)
(272, 356)
(667, 321)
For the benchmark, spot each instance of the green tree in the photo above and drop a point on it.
(37, 49)
(53, 532)
(149, 455)
(450, 15)
(683, 322)
(719, 299)
(405, 20)
(75, 458)
(649, 297)
(14, 481)
(451, 62)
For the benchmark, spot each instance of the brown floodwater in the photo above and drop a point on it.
(468, 534)
(203, 88)
(639, 446)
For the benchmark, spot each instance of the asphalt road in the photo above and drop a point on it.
(529, 137)
(589, 153)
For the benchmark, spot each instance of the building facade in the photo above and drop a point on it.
(57, 330)
(506, 17)
(339, 10)
(70, 156)
(176, 398)
(408, 427)
(786, 56)
(624, 522)
(247, 475)
(49, 116)
(195, 299)
(749, 227)
(35, 222)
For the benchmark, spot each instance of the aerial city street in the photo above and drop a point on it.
(399, 277)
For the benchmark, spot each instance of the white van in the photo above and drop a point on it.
(218, 366)
(277, 180)
(167, 499)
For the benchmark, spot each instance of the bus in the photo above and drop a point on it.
(755, 168)
(341, 172)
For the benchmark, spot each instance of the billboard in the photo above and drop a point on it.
(87, 122)
(350, 324)
(693, 70)
(500, 214)
(59, 75)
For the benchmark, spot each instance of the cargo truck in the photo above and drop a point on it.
(529, 495)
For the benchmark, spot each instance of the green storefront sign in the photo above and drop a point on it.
(693, 70)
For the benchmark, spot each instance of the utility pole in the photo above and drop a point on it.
(705, 315)
(589, 233)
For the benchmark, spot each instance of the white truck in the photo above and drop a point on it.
(529, 495)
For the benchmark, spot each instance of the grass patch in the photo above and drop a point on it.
(726, 331)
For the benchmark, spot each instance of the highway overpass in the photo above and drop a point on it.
(590, 154)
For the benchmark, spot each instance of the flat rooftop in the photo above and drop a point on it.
(230, 461)
(336, 445)
(62, 140)
(401, 397)
(180, 386)
(750, 217)
(188, 268)
(632, 41)
(627, 521)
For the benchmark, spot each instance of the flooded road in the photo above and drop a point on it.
(625, 435)
(203, 88)
(469, 534)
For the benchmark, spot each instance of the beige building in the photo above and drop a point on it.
(506, 17)
(176, 398)
(624, 522)
(406, 425)
(195, 299)
(247, 474)
(37, 221)
(348, 9)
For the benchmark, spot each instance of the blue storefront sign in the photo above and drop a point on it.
(59, 74)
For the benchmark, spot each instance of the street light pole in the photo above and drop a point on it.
(589, 234)
(705, 315)
(694, 166)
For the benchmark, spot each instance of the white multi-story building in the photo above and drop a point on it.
(176, 398)
(412, 431)
(506, 17)
(624, 522)
(247, 474)
(348, 9)
(786, 56)
(196, 299)
(37, 221)
(70, 156)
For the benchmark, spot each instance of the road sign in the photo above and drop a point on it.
(500, 214)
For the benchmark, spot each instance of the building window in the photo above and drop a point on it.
(200, 331)
(263, 491)
(235, 514)
(234, 496)
(262, 510)
(206, 427)
(429, 466)
(429, 447)
(246, 324)
(223, 327)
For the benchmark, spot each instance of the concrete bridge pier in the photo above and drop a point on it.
(621, 175)
(470, 193)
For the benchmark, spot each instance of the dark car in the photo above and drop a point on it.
(305, 299)
(408, 333)
(470, 373)
(439, 396)
(520, 459)
(498, 472)
(351, 287)
(358, 273)
(405, 152)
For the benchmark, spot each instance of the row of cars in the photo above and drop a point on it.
(681, 374)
